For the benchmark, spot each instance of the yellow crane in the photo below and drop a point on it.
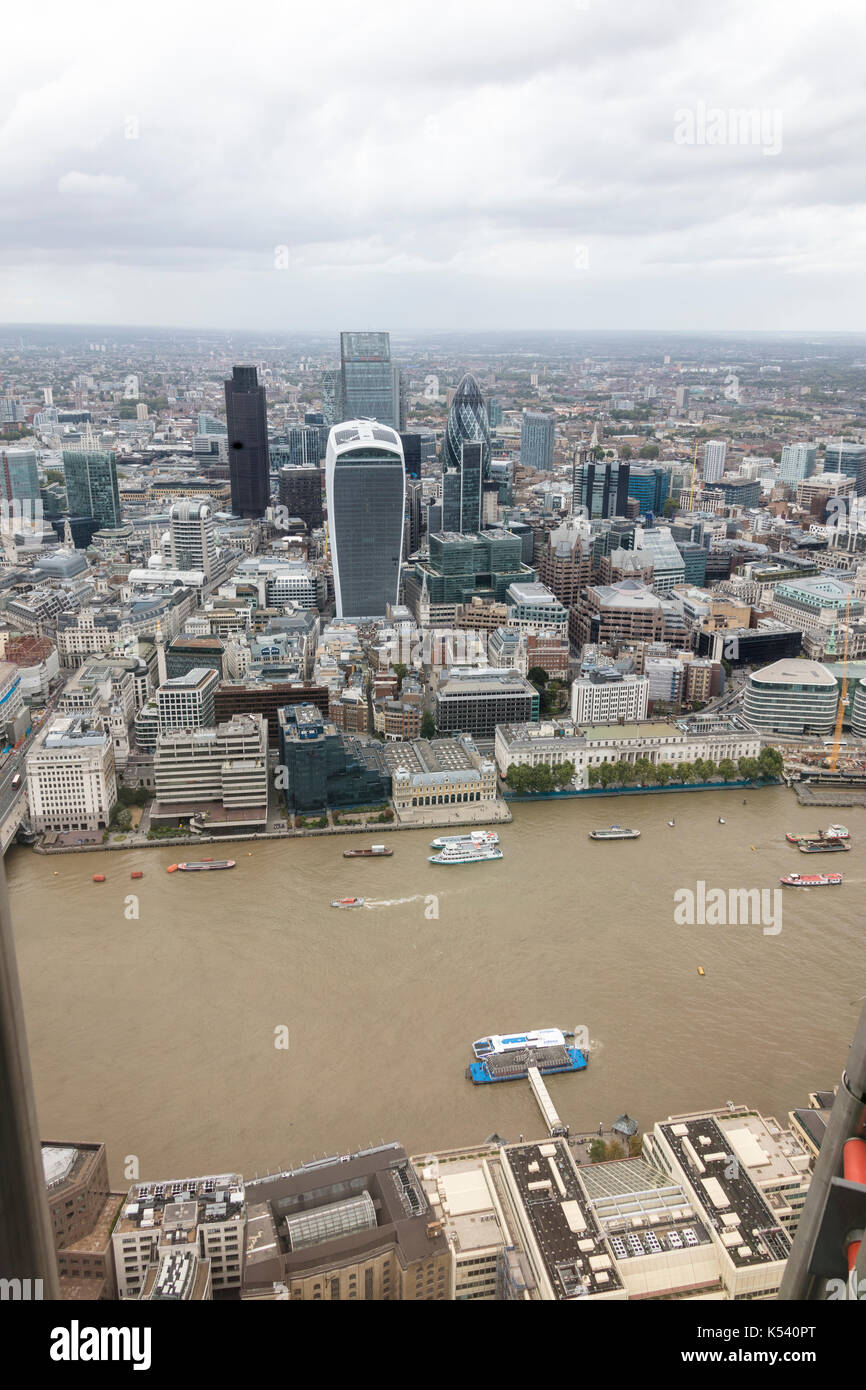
(843, 698)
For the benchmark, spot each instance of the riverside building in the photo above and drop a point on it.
(792, 697)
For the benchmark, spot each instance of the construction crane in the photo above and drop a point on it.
(843, 698)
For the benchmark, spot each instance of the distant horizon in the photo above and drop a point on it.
(47, 325)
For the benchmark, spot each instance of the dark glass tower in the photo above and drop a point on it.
(366, 491)
(367, 379)
(249, 460)
(467, 424)
(462, 489)
(91, 485)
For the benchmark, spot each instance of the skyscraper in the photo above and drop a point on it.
(714, 459)
(536, 440)
(365, 484)
(249, 460)
(19, 475)
(91, 485)
(467, 422)
(462, 490)
(798, 462)
(193, 542)
(367, 379)
(599, 489)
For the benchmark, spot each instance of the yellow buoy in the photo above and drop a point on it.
(701, 970)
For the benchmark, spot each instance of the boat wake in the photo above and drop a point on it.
(395, 902)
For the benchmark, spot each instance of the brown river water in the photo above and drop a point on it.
(157, 1033)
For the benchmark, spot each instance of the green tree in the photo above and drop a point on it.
(770, 762)
(750, 768)
(665, 772)
(428, 725)
(625, 452)
(538, 676)
(643, 771)
(728, 769)
(607, 774)
(564, 773)
(597, 1151)
(400, 671)
(635, 1145)
(686, 772)
(648, 451)
(614, 1150)
(518, 777)
(541, 778)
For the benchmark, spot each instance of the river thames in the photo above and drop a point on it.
(157, 1033)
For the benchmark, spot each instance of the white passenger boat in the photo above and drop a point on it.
(517, 1042)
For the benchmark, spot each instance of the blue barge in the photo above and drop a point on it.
(515, 1066)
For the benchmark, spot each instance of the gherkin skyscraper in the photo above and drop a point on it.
(463, 474)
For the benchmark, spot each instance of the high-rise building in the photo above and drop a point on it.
(187, 702)
(91, 485)
(798, 462)
(599, 489)
(193, 540)
(650, 487)
(249, 460)
(849, 459)
(365, 482)
(537, 433)
(301, 494)
(367, 379)
(19, 476)
(467, 423)
(462, 490)
(714, 459)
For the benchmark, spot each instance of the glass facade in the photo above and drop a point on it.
(19, 476)
(367, 378)
(599, 489)
(325, 767)
(91, 485)
(366, 490)
(537, 432)
(467, 423)
(249, 460)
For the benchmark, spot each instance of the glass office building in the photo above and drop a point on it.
(462, 489)
(599, 488)
(467, 424)
(365, 484)
(367, 378)
(19, 475)
(249, 459)
(91, 485)
(537, 431)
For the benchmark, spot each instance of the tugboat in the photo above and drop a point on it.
(811, 880)
(374, 852)
(347, 902)
(616, 832)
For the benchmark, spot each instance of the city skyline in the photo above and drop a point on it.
(663, 155)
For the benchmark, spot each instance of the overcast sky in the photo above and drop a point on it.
(421, 167)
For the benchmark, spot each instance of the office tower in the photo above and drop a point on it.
(193, 540)
(494, 414)
(301, 494)
(365, 482)
(304, 446)
(367, 378)
(187, 702)
(599, 489)
(19, 476)
(683, 398)
(414, 495)
(413, 453)
(714, 459)
(249, 460)
(849, 459)
(467, 424)
(91, 485)
(461, 490)
(798, 462)
(649, 486)
(537, 431)
(399, 397)
(331, 411)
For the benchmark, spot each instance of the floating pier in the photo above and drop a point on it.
(555, 1128)
(515, 1066)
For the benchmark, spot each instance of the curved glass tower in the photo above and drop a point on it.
(467, 423)
(365, 484)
